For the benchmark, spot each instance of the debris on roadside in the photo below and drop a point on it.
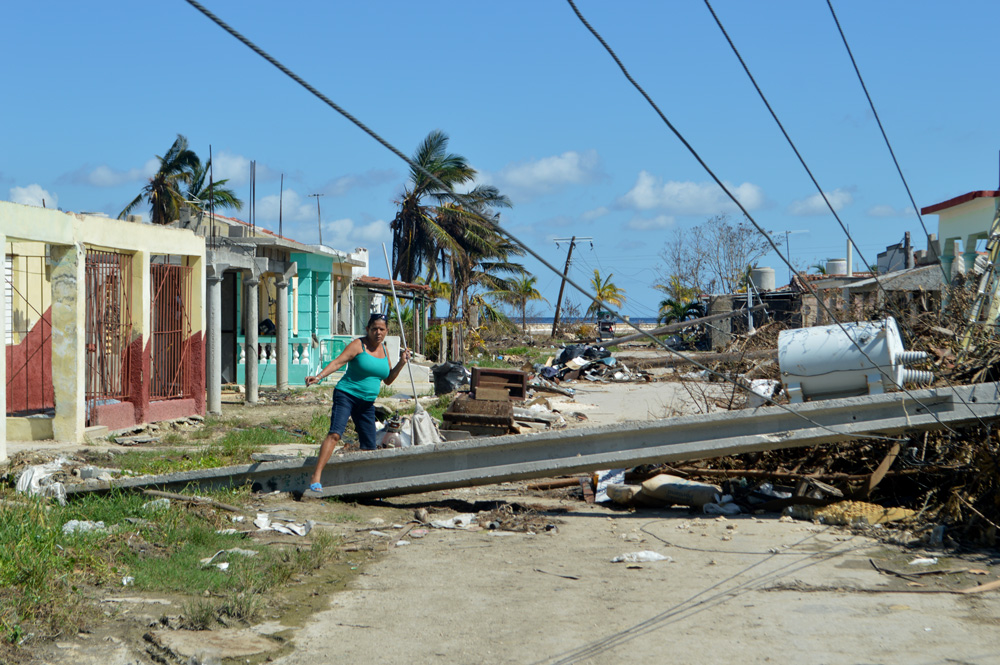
(645, 556)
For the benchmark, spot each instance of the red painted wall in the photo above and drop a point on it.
(29, 369)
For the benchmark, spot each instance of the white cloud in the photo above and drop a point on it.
(292, 207)
(105, 176)
(33, 195)
(371, 178)
(815, 205)
(596, 213)
(532, 178)
(235, 168)
(346, 235)
(650, 224)
(688, 198)
(889, 211)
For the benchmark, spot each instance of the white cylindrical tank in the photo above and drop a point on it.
(823, 362)
(836, 266)
(762, 278)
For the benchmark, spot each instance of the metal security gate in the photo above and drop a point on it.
(109, 328)
(171, 329)
(28, 343)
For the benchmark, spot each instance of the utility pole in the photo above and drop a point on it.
(562, 284)
(319, 220)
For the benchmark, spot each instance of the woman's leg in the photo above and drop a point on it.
(364, 422)
(339, 414)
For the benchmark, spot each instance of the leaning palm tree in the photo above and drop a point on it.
(201, 196)
(162, 192)
(522, 289)
(606, 291)
(416, 234)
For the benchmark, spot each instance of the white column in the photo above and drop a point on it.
(282, 331)
(69, 361)
(251, 338)
(213, 346)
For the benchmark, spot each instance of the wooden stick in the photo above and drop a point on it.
(555, 484)
(195, 499)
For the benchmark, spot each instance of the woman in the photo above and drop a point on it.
(354, 396)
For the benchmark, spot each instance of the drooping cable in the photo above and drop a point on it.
(889, 300)
(885, 136)
(819, 301)
(458, 197)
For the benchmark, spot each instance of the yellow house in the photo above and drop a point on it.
(103, 323)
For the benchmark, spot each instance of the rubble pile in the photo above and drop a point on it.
(590, 363)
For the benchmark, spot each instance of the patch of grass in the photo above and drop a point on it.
(319, 425)
(235, 447)
(386, 391)
(46, 575)
(438, 408)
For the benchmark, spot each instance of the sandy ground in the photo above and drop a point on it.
(742, 590)
(739, 590)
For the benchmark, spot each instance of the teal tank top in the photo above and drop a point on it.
(365, 374)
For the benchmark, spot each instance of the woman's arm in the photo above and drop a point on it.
(404, 357)
(346, 356)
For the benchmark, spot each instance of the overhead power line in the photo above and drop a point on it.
(458, 197)
(885, 136)
(694, 153)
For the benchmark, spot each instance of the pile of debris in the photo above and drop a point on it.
(591, 363)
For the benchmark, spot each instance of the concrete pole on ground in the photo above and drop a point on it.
(721, 333)
(213, 351)
(250, 335)
(69, 348)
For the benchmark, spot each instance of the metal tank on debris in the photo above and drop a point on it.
(858, 358)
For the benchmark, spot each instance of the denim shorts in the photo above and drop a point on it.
(346, 405)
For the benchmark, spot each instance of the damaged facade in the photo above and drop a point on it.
(104, 323)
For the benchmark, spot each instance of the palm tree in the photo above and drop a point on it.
(416, 234)
(199, 195)
(162, 192)
(676, 311)
(606, 291)
(439, 290)
(522, 289)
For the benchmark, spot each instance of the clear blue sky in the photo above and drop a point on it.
(93, 91)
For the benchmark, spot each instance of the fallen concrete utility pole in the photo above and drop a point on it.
(675, 327)
(698, 357)
(492, 460)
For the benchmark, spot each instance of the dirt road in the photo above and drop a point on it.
(738, 590)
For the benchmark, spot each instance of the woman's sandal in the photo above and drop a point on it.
(316, 487)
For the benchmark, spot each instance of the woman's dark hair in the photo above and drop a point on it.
(377, 317)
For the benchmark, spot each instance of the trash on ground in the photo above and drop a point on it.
(263, 523)
(924, 561)
(225, 555)
(850, 513)
(645, 556)
(604, 478)
(158, 504)
(463, 521)
(83, 526)
(38, 480)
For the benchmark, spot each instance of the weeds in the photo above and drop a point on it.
(47, 576)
